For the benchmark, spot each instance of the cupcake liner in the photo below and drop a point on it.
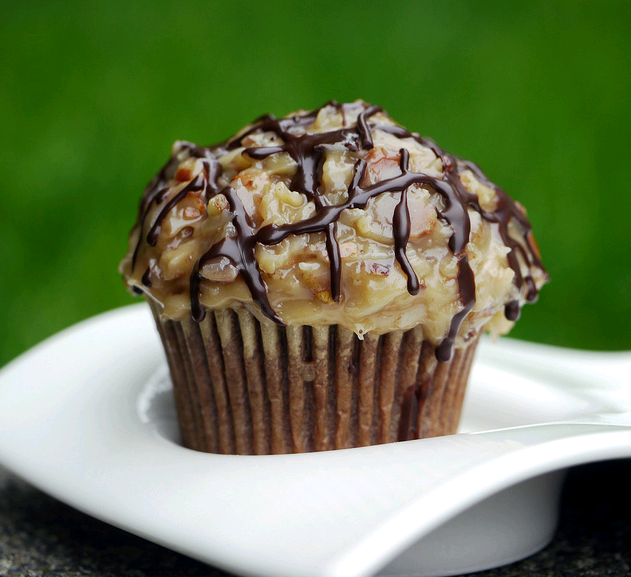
(243, 386)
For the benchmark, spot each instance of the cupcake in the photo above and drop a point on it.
(321, 281)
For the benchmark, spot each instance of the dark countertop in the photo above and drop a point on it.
(42, 537)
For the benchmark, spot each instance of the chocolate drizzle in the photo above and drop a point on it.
(198, 183)
(466, 282)
(308, 151)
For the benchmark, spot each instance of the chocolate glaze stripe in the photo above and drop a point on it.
(365, 134)
(466, 282)
(146, 277)
(158, 190)
(239, 250)
(155, 194)
(401, 224)
(335, 260)
(198, 183)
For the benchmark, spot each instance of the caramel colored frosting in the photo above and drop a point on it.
(335, 216)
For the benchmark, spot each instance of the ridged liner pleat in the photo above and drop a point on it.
(248, 387)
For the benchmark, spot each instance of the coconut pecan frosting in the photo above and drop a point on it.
(335, 216)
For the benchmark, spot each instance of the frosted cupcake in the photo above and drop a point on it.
(321, 281)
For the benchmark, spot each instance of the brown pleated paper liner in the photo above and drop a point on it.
(247, 387)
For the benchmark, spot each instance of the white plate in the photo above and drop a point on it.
(87, 416)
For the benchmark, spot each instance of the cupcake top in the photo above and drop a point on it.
(334, 216)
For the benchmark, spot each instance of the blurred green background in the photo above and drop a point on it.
(93, 94)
